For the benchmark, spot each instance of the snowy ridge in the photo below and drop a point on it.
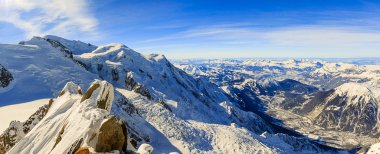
(73, 121)
(352, 90)
(16, 130)
(77, 47)
(156, 78)
(19, 112)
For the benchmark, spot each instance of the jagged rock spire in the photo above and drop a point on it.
(101, 92)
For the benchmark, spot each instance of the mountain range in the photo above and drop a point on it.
(135, 103)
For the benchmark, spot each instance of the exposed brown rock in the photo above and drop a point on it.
(59, 137)
(102, 104)
(125, 132)
(83, 150)
(9, 138)
(111, 136)
(75, 146)
(2, 150)
(51, 101)
(89, 92)
(61, 94)
(80, 91)
(105, 91)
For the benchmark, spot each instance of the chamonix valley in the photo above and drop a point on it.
(76, 97)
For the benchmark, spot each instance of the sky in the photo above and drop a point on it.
(182, 29)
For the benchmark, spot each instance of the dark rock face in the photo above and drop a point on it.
(75, 146)
(360, 118)
(5, 77)
(112, 136)
(61, 47)
(115, 74)
(131, 84)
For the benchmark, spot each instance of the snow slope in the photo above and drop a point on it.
(19, 112)
(39, 70)
(374, 149)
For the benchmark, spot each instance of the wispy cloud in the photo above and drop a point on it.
(317, 35)
(68, 18)
(323, 36)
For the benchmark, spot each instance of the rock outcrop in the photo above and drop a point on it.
(111, 136)
(17, 130)
(77, 123)
(5, 77)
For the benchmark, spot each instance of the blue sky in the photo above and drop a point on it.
(205, 29)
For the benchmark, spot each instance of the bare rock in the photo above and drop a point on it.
(5, 77)
(112, 136)
(102, 92)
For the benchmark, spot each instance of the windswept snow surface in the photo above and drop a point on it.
(39, 71)
(19, 112)
(190, 136)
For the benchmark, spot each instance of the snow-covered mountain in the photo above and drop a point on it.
(160, 104)
(319, 73)
(311, 82)
(40, 70)
(349, 107)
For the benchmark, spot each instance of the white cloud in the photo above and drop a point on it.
(311, 36)
(295, 40)
(324, 36)
(41, 17)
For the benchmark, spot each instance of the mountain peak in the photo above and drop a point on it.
(71, 88)
(76, 47)
(352, 89)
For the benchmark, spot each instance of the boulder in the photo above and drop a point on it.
(112, 136)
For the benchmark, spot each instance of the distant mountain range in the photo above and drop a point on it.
(324, 98)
